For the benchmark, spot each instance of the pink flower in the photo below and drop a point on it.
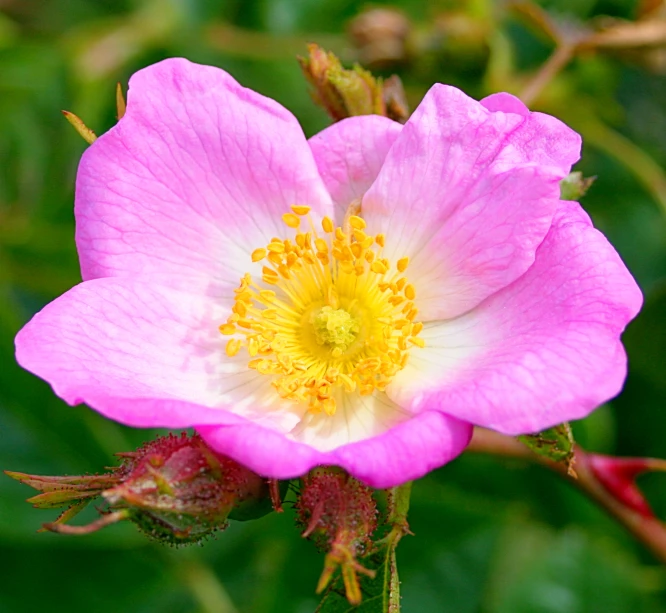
(462, 292)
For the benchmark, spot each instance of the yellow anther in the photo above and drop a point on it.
(275, 258)
(380, 239)
(402, 264)
(233, 347)
(240, 308)
(276, 247)
(300, 240)
(228, 329)
(415, 340)
(339, 234)
(410, 292)
(357, 222)
(258, 254)
(360, 236)
(369, 256)
(378, 267)
(293, 221)
(321, 245)
(300, 209)
(367, 242)
(269, 314)
(356, 250)
(416, 328)
(327, 225)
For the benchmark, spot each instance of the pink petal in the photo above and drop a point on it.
(505, 103)
(407, 451)
(468, 194)
(194, 177)
(350, 153)
(542, 351)
(144, 354)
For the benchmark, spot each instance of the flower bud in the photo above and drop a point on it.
(618, 477)
(341, 92)
(179, 491)
(175, 489)
(339, 515)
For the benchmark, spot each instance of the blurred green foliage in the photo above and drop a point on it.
(491, 536)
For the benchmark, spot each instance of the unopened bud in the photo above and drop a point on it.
(618, 476)
(175, 489)
(340, 515)
(341, 92)
(179, 491)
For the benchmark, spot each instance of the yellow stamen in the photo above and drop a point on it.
(291, 220)
(357, 222)
(300, 209)
(339, 319)
(258, 254)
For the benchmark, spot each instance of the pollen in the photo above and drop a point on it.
(339, 317)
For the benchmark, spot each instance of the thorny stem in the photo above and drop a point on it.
(398, 506)
(556, 62)
(648, 530)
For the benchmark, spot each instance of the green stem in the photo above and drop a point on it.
(398, 507)
(398, 503)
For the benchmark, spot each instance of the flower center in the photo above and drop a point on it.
(335, 328)
(339, 319)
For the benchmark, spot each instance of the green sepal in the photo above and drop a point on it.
(574, 186)
(380, 595)
(556, 444)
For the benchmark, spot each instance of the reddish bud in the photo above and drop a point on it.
(341, 92)
(178, 490)
(339, 514)
(175, 489)
(618, 476)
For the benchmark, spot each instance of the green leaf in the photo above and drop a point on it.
(556, 444)
(380, 595)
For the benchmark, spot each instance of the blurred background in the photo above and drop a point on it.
(492, 536)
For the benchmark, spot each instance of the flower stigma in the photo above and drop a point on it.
(331, 316)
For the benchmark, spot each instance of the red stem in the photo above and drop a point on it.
(648, 530)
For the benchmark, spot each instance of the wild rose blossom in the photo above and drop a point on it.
(359, 299)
